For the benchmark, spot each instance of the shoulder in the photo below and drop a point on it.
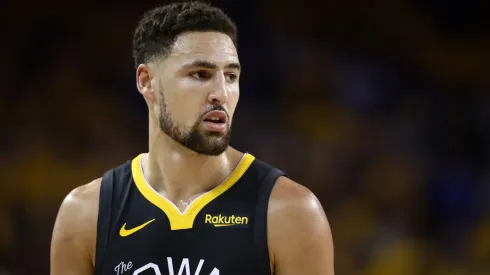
(299, 233)
(76, 222)
(82, 200)
(291, 202)
(89, 191)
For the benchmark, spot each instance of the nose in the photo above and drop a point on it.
(219, 90)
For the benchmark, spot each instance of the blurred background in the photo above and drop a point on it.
(379, 107)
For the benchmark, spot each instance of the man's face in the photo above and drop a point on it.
(198, 91)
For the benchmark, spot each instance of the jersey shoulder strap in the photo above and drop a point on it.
(267, 182)
(111, 189)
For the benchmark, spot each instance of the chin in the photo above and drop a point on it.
(211, 151)
(214, 147)
(215, 135)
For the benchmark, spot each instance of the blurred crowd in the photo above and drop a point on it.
(379, 107)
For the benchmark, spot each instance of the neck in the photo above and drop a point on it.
(180, 174)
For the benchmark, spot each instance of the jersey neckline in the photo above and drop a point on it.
(185, 220)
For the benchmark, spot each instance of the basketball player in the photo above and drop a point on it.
(192, 204)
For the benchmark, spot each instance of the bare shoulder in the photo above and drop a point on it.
(292, 200)
(300, 239)
(83, 196)
(80, 207)
(75, 229)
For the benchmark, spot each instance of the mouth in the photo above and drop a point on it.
(215, 121)
(216, 117)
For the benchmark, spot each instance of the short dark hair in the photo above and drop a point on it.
(159, 28)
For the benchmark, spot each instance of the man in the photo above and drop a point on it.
(193, 204)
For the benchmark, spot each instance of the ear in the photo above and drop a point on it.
(144, 83)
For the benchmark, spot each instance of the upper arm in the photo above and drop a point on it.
(74, 233)
(300, 238)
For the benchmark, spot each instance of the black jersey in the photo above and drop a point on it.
(222, 232)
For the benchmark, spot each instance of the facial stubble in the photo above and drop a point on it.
(194, 138)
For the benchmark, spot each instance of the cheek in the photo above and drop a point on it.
(185, 108)
(232, 102)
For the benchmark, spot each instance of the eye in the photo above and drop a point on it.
(201, 75)
(230, 78)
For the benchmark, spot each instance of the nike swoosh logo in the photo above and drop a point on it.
(126, 232)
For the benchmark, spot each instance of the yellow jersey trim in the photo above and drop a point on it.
(179, 220)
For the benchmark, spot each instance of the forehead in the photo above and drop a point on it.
(210, 46)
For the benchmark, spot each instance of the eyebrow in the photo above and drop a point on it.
(210, 65)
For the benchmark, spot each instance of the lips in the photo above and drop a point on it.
(216, 117)
(215, 121)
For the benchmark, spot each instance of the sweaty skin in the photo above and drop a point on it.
(300, 240)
